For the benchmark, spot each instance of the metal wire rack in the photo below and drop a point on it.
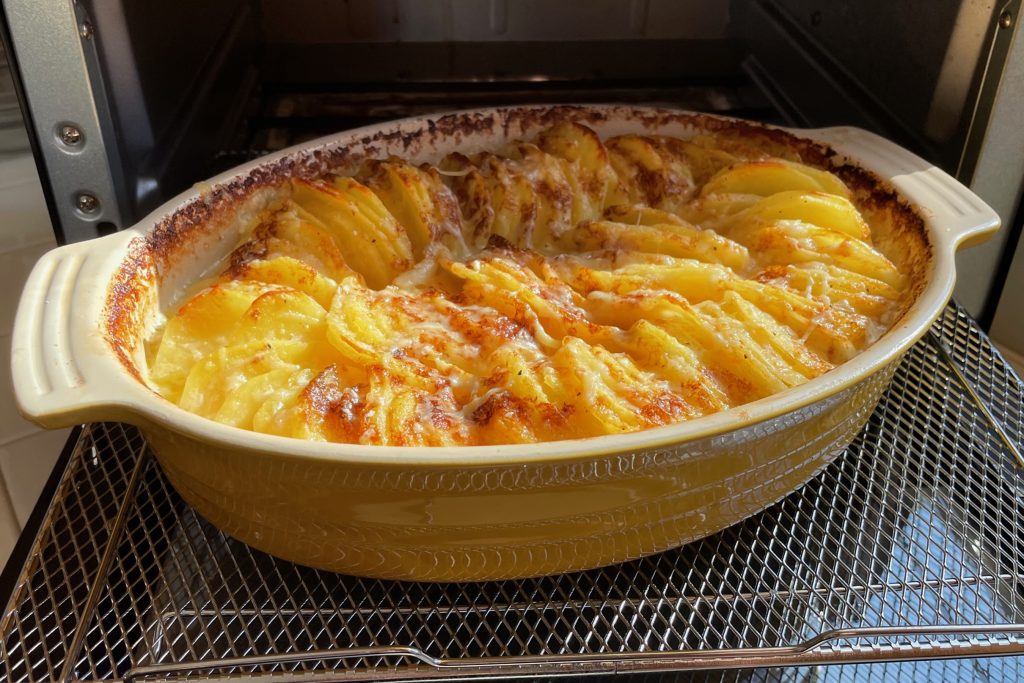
(909, 546)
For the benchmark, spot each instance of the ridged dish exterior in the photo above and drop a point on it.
(464, 523)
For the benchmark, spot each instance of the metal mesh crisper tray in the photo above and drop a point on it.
(909, 546)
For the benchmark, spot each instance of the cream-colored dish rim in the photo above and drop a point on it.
(65, 372)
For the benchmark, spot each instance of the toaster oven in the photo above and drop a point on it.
(907, 548)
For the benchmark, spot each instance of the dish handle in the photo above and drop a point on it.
(60, 361)
(961, 219)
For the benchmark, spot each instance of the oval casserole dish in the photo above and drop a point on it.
(479, 512)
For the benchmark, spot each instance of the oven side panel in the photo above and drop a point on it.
(124, 100)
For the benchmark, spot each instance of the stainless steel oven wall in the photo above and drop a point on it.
(1008, 323)
(480, 41)
(317, 21)
(125, 100)
(70, 114)
(177, 77)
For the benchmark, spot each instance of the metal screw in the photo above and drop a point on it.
(87, 203)
(70, 135)
(1006, 19)
(85, 30)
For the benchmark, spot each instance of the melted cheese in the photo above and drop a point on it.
(563, 289)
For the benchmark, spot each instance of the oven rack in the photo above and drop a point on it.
(909, 546)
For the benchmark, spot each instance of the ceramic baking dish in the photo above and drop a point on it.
(467, 513)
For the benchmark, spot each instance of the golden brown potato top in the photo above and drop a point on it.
(560, 288)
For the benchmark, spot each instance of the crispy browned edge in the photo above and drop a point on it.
(175, 235)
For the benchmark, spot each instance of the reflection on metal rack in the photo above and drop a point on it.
(997, 424)
(910, 546)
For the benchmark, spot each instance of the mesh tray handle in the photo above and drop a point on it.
(959, 217)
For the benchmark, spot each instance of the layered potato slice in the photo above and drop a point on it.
(549, 310)
(548, 176)
(419, 201)
(199, 327)
(817, 208)
(675, 239)
(498, 198)
(284, 233)
(788, 213)
(368, 237)
(648, 172)
(703, 154)
(555, 288)
(772, 176)
(581, 390)
(701, 243)
(770, 189)
(287, 272)
(518, 403)
(402, 414)
(796, 242)
(610, 393)
(408, 336)
(280, 332)
(670, 357)
(589, 173)
(841, 288)
(473, 193)
(527, 197)
(743, 369)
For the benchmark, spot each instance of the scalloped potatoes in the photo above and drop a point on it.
(560, 288)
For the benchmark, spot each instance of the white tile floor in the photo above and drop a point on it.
(1012, 357)
(27, 454)
(29, 461)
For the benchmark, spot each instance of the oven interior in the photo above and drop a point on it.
(129, 105)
